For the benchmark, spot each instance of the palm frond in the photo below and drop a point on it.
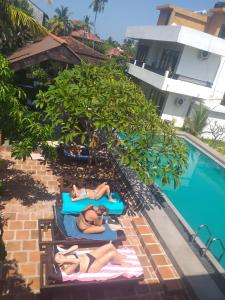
(19, 18)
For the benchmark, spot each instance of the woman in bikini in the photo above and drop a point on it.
(91, 219)
(92, 262)
(83, 193)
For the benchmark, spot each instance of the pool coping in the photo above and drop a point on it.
(218, 158)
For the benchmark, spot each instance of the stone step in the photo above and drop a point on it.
(162, 265)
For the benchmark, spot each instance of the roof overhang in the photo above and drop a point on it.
(179, 34)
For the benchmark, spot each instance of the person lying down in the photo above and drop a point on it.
(92, 262)
(95, 194)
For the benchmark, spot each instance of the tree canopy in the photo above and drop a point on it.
(90, 100)
(61, 24)
(17, 24)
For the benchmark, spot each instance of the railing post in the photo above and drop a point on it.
(167, 72)
(135, 62)
(143, 65)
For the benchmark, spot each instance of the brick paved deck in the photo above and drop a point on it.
(30, 193)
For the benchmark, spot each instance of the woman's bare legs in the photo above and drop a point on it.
(99, 252)
(110, 256)
(104, 189)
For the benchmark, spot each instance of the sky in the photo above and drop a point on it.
(119, 14)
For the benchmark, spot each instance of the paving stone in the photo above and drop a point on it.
(149, 239)
(154, 249)
(34, 234)
(143, 229)
(30, 245)
(8, 235)
(34, 256)
(28, 269)
(15, 224)
(13, 245)
(22, 234)
(139, 221)
(30, 225)
(20, 256)
(160, 260)
(22, 216)
(166, 272)
(10, 216)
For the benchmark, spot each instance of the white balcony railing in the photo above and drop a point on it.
(167, 81)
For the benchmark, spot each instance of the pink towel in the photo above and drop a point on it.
(110, 271)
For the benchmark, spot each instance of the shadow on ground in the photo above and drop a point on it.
(20, 185)
(11, 281)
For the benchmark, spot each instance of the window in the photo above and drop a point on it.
(142, 53)
(222, 32)
(168, 60)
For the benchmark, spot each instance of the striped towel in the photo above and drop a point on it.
(110, 271)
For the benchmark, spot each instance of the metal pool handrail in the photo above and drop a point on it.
(210, 243)
(199, 229)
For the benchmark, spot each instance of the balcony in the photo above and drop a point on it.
(169, 81)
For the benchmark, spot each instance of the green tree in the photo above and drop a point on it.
(87, 24)
(97, 6)
(17, 121)
(129, 48)
(14, 20)
(91, 100)
(61, 24)
(196, 123)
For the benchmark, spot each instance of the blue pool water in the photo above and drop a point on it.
(200, 197)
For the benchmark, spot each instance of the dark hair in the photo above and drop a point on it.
(103, 209)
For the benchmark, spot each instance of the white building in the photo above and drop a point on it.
(39, 15)
(177, 67)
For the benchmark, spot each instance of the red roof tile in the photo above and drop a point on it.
(83, 51)
(86, 35)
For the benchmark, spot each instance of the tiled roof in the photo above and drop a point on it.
(82, 34)
(45, 44)
(114, 52)
(50, 42)
(83, 51)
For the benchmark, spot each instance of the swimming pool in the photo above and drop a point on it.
(200, 197)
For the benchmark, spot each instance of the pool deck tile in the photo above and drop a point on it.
(21, 240)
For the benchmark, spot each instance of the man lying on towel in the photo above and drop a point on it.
(97, 193)
(91, 219)
(70, 262)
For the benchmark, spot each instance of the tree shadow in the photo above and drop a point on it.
(20, 185)
(90, 174)
(11, 281)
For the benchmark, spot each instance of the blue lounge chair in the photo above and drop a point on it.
(75, 207)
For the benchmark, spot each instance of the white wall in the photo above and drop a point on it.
(192, 66)
(38, 14)
(219, 83)
(174, 112)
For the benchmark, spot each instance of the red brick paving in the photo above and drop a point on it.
(21, 240)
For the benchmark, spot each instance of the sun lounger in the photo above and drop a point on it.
(75, 207)
(52, 277)
(64, 229)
